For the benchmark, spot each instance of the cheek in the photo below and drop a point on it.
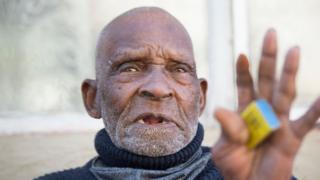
(116, 96)
(188, 98)
(184, 79)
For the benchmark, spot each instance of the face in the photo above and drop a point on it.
(148, 92)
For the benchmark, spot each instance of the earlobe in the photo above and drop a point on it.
(203, 94)
(89, 96)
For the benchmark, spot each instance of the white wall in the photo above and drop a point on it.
(42, 66)
(297, 23)
(47, 47)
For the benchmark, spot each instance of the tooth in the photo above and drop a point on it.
(141, 121)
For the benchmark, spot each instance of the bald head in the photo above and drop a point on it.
(149, 26)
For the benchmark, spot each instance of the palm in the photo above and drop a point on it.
(273, 159)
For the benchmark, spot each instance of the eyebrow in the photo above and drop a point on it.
(130, 54)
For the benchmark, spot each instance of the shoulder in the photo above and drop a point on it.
(81, 173)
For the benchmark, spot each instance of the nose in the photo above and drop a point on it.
(156, 87)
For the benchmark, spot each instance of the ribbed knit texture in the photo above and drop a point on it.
(115, 157)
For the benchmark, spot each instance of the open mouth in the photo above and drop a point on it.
(151, 119)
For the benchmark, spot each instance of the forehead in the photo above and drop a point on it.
(146, 34)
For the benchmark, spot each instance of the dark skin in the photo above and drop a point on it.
(274, 158)
(147, 90)
(145, 64)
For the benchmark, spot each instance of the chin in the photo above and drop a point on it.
(154, 141)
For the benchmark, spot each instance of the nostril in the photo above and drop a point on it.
(147, 94)
(150, 95)
(167, 95)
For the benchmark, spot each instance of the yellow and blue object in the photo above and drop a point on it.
(261, 121)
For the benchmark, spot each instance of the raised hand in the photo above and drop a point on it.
(272, 159)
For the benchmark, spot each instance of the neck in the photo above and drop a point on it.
(115, 157)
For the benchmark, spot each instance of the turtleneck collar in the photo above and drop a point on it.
(115, 157)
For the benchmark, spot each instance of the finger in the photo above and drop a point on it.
(286, 91)
(233, 127)
(244, 83)
(306, 122)
(267, 66)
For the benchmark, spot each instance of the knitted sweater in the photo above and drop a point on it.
(115, 157)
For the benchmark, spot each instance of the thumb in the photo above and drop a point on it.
(233, 127)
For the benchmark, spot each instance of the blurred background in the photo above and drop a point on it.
(47, 48)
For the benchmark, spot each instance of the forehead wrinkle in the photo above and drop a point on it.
(154, 17)
(129, 53)
(149, 51)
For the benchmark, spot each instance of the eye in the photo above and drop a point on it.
(130, 69)
(180, 70)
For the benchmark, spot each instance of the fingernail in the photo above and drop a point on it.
(271, 30)
(296, 49)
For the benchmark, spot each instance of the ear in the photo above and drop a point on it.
(203, 94)
(89, 96)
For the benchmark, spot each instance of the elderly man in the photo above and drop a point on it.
(149, 96)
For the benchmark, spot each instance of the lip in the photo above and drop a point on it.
(166, 120)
